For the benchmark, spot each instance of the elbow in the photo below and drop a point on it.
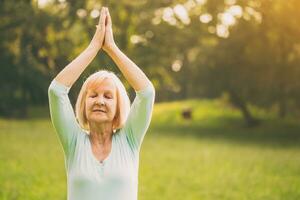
(152, 90)
(53, 90)
(50, 89)
(57, 89)
(147, 92)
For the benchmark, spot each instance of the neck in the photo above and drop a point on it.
(101, 134)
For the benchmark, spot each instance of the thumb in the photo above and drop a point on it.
(101, 23)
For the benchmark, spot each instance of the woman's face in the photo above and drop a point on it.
(104, 93)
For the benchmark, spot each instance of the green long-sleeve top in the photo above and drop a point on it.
(116, 178)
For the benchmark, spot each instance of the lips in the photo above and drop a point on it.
(99, 110)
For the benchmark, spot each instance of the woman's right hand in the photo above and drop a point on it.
(109, 42)
(98, 37)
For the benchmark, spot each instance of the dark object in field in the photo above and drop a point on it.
(186, 113)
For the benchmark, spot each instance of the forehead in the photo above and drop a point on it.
(105, 85)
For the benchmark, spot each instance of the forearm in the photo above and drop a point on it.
(72, 71)
(133, 74)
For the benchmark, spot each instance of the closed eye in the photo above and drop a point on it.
(107, 96)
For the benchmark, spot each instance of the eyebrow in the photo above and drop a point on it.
(94, 91)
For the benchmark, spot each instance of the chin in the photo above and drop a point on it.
(99, 119)
(96, 117)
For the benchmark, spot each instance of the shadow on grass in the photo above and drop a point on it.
(271, 133)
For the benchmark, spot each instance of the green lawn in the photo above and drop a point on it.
(210, 157)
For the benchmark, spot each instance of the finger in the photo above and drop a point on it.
(101, 24)
(108, 17)
(102, 16)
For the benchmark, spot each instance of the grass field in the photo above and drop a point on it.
(210, 157)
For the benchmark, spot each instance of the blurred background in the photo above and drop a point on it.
(226, 121)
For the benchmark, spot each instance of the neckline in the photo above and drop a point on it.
(94, 157)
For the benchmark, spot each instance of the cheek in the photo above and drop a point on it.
(88, 105)
(113, 106)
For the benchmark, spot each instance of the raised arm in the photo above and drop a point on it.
(73, 70)
(133, 74)
(61, 110)
(140, 114)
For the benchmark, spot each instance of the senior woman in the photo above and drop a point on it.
(102, 139)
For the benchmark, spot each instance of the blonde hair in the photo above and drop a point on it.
(123, 101)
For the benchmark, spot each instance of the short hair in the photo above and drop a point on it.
(123, 101)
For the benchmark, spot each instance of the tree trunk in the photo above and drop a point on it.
(237, 101)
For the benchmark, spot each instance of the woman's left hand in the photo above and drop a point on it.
(98, 38)
(109, 42)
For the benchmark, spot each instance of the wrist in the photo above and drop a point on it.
(111, 49)
(93, 47)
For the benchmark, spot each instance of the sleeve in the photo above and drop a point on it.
(139, 116)
(62, 117)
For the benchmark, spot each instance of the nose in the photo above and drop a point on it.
(100, 101)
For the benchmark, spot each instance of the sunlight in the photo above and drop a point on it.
(222, 31)
(190, 4)
(205, 18)
(227, 19)
(43, 3)
(134, 39)
(201, 2)
(252, 12)
(176, 66)
(182, 13)
(157, 16)
(235, 11)
(168, 16)
(230, 2)
(81, 13)
(95, 13)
